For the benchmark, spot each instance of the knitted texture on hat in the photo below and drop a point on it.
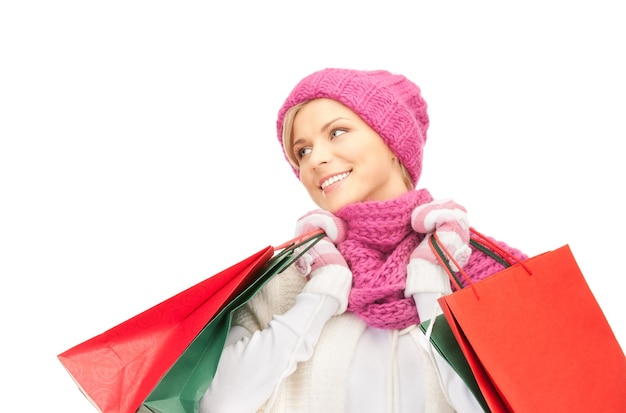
(377, 248)
(389, 103)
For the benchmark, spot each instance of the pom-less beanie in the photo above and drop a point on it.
(389, 103)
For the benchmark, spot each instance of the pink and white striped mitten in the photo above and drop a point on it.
(427, 280)
(325, 267)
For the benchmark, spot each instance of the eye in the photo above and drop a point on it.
(303, 151)
(337, 132)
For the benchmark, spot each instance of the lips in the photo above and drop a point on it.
(335, 178)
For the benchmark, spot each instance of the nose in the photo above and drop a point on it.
(321, 153)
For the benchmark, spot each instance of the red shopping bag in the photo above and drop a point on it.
(118, 369)
(536, 338)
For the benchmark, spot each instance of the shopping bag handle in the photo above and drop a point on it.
(296, 247)
(482, 243)
(481, 240)
(299, 239)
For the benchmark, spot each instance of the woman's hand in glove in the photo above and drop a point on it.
(426, 279)
(325, 267)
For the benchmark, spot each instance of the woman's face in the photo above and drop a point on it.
(342, 160)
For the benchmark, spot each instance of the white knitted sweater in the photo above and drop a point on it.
(326, 382)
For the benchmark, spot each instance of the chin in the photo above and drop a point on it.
(335, 205)
(331, 207)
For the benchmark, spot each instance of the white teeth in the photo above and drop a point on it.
(334, 179)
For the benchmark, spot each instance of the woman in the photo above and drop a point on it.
(337, 332)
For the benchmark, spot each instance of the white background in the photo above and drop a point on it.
(138, 153)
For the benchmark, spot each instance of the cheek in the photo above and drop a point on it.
(307, 182)
(381, 168)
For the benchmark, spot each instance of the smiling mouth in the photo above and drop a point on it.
(334, 179)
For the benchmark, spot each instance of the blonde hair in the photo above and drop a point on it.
(406, 176)
(287, 138)
(290, 115)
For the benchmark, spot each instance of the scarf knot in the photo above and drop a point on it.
(377, 247)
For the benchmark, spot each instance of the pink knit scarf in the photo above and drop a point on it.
(377, 247)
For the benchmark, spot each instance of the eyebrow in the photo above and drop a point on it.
(324, 127)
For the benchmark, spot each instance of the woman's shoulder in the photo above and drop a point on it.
(276, 297)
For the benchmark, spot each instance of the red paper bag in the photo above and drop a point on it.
(537, 340)
(118, 369)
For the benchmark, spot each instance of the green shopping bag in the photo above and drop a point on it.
(188, 379)
(442, 338)
(180, 390)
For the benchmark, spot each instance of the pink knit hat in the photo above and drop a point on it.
(389, 103)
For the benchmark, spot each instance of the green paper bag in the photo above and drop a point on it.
(442, 338)
(180, 390)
